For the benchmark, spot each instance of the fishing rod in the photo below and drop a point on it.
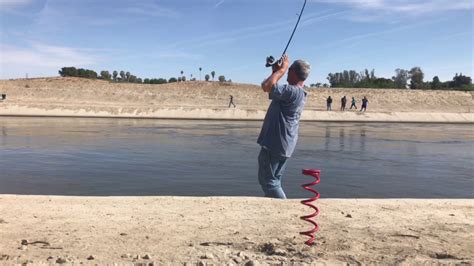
(270, 59)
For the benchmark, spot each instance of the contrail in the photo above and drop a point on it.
(219, 3)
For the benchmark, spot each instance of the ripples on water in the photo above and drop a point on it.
(77, 156)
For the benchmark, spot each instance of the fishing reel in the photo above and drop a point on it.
(271, 61)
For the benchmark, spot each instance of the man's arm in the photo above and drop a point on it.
(277, 74)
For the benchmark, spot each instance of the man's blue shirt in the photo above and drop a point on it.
(279, 132)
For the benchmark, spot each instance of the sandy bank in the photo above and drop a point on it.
(209, 100)
(180, 230)
(233, 114)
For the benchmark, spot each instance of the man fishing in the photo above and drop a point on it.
(279, 132)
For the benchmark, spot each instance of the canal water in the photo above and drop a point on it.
(102, 157)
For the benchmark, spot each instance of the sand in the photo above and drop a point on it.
(228, 230)
(209, 100)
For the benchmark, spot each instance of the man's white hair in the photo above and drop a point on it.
(302, 69)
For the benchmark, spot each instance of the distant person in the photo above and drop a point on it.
(364, 104)
(353, 103)
(231, 102)
(279, 132)
(343, 103)
(329, 103)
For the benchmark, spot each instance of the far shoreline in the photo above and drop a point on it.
(197, 100)
(314, 116)
(242, 120)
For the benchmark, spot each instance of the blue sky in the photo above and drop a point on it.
(233, 37)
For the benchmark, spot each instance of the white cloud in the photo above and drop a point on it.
(14, 3)
(353, 40)
(232, 35)
(179, 55)
(40, 59)
(219, 3)
(405, 7)
(62, 15)
(150, 10)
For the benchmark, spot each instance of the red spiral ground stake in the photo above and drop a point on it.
(309, 218)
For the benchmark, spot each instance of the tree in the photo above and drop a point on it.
(207, 77)
(91, 74)
(362, 79)
(172, 80)
(104, 74)
(68, 72)
(115, 75)
(156, 81)
(86, 73)
(146, 81)
(200, 69)
(81, 72)
(183, 78)
(460, 81)
(182, 74)
(333, 80)
(160, 81)
(139, 80)
(436, 84)
(131, 78)
(128, 75)
(213, 73)
(416, 78)
(400, 78)
(382, 83)
(345, 78)
(221, 78)
(122, 75)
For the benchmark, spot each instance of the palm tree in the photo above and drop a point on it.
(182, 72)
(213, 73)
(200, 69)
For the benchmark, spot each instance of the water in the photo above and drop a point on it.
(76, 156)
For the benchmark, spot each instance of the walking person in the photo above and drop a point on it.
(231, 102)
(329, 103)
(353, 104)
(279, 132)
(343, 103)
(365, 101)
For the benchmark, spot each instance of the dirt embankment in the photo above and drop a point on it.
(209, 100)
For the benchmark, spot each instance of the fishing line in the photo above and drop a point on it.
(270, 59)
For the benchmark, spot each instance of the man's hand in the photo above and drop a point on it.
(285, 62)
(275, 67)
(282, 63)
(278, 72)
